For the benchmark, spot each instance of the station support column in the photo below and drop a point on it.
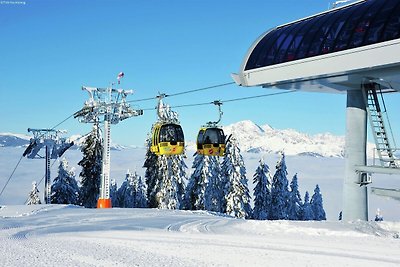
(355, 201)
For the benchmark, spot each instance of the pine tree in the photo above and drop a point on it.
(65, 188)
(169, 183)
(306, 212)
(262, 192)
(234, 171)
(114, 193)
(91, 164)
(141, 199)
(317, 205)
(279, 192)
(125, 198)
(295, 202)
(132, 193)
(213, 192)
(151, 175)
(196, 188)
(178, 174)
(33, 197)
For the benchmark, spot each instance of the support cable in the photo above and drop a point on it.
(184, 92)
(228, 100)
(9, 178)
(200, 89)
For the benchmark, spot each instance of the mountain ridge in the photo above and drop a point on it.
(266, 139)
(252, 138)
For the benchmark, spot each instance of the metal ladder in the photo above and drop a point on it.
(383, 148)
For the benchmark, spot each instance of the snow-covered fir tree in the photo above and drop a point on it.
(233, 169)
(126, 191)
(196, 187)
(151, 175)
(141, 197)
(132, 193)
(262, 191)
(213, 194)
(317, 205)
(178, 174)
(203, 191)
(169, 182)
(91, 168)
(114, 193)
(279, 192)
(306, 212)
(165, 182)
(64, 189)
(33, 197)
(295, 202)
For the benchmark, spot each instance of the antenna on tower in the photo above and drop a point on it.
(107, 105)
(55, 147)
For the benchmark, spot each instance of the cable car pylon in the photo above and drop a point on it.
(211, 137)
(167, 134)
(54, 146)
(107, 105)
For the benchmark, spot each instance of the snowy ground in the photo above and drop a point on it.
(58, 235)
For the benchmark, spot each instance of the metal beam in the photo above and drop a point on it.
(384, 192)
(377, 169)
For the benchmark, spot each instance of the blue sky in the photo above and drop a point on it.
(49, 49)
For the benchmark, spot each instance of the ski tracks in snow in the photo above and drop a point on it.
(65, 236)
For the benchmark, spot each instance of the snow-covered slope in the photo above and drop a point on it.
(254, 138)
(58, 235)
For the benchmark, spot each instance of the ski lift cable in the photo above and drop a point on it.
(228, 100)
(183, 92)
(70, 116)
(258, 96)
(200, 89)
(9, 178)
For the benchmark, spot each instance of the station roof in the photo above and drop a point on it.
(333, 51)
(360, 24)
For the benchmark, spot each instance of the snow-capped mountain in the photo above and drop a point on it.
(255, 138)
(13, 140)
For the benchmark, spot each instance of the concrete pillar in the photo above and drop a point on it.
(355, 202)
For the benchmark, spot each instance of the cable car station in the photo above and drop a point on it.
(352, 49)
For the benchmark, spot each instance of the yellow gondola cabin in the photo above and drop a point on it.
(211, 141)
(167, 139)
